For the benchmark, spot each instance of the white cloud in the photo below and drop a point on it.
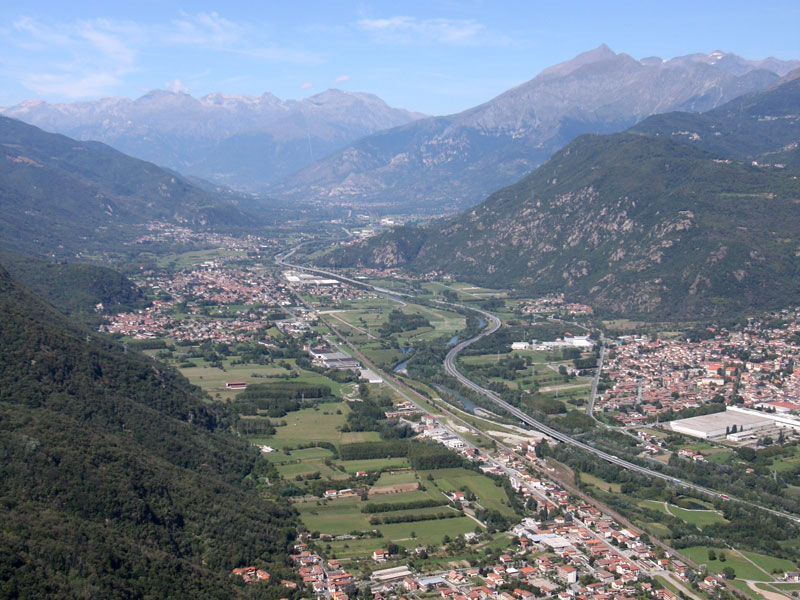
(92, 55)
(306, 86)
(204, 29)
(342, 79)
(407, 30)
(69, 85)
(177, 86)
(84, 58)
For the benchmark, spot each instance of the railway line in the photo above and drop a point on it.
(493, 324)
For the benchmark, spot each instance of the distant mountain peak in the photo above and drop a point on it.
(601, 53)
(240, 141)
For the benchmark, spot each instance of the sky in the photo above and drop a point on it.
(434, 56)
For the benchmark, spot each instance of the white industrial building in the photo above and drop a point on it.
(720, 424)
(777, 418)
(582, 342)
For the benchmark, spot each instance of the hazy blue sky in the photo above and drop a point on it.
(434, 56)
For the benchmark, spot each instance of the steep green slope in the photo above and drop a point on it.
(75, 289)
(633, 225)
(116, 479)
(58, 195)
(764, 126)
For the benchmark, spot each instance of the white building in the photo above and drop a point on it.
(720, 424)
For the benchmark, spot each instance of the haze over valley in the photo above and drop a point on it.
(519, 320)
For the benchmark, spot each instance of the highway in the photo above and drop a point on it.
(450, 367)
(494, 324)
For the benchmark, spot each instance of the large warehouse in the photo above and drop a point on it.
(719, 424)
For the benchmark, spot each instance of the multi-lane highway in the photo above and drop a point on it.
(450, 367)
(493, 324)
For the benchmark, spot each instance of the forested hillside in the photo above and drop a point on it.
(673, 219)
(61, 196)
(75, 289)
(117, 480)
(630, 224)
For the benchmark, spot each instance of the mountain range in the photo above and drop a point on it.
(244, 142)
(668, 224)
(62, 196)
(441, 164)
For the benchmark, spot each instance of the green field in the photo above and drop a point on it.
(407, 496)
(659, 530)
(334, 516)
(742, 585)
(787, 587)
(743, 568)
(354, 437)
(701, 518)
(374, 464)
(342, 516)
(600, 483)
(770, 563)
(490, 496)
(304, 454)
(306, 467)
(428, 532)
(213, 380)
(785, 463)
(396, 478)
(719, 458)
(309, 425)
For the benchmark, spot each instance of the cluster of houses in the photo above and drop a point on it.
(403, 409)
(251, 574)
(330, 580)
(654, 376)
(208, 289)
(555, 304)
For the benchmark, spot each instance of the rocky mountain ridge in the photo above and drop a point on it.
(633, 224)
(61, 196)
(241, 141)
(442, 164)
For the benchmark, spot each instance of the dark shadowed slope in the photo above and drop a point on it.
(116, 479)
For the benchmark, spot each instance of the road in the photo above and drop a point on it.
(596, 380)
(450, 367)
(494, 324)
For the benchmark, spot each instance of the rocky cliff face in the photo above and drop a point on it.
(447, 163)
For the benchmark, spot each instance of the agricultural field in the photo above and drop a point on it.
(389, 478)
(310, 425)
(490, 496)
(186, 260)
(374, 464)
(700, 518)
(342, 516)
(540, 373)
(602, 484)
(770, 563)
(212, 379)
(744, 569)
